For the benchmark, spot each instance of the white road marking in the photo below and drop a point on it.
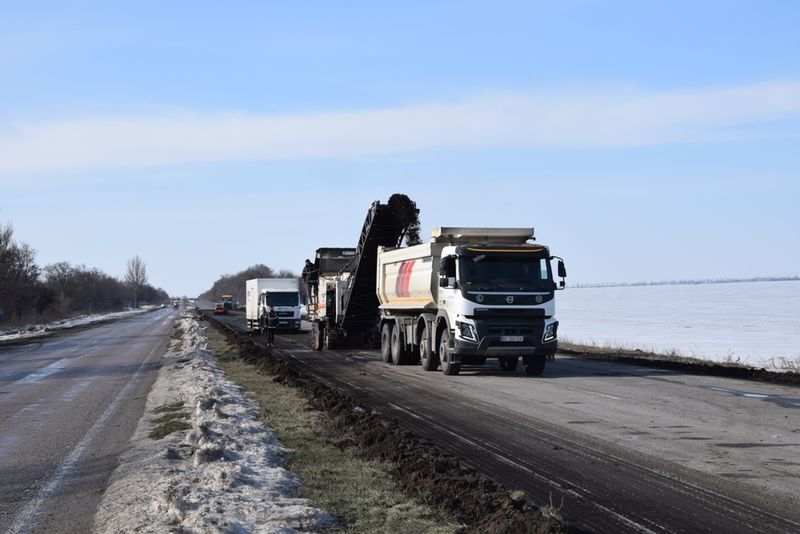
(54, 367)
(606, 396)
(26, 519)
(44, 372)
(622, 519)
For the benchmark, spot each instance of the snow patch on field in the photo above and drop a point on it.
(223, 475)
(36, 330)
(748, 323)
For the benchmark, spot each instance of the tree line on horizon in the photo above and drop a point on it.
(234, 284)
(31, 293)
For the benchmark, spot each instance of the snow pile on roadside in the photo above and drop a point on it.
(82, 320)
(223, 475)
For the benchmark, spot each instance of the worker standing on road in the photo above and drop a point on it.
(272, 324)
(311, 277)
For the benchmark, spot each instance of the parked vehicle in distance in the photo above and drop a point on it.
(219, 309)
(282, 295)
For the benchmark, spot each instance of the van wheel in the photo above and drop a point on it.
(386, 342)
(430, 361)
(448, 367)
(399, 353)
(534, 365)
(508, 363)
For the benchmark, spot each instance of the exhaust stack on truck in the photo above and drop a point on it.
(467, 295)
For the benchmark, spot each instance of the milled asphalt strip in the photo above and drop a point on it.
(26, 518)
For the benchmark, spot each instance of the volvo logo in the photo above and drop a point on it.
(510, 299)
(539, 299)
(479, 298)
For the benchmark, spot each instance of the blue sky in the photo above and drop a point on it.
(643, 140)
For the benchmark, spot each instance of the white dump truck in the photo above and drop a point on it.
(280, 294)
(467, 295)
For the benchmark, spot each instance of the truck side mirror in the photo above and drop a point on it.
(562, 272)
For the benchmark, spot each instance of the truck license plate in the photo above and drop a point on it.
(510, 339)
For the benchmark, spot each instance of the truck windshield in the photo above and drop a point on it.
(505, 272)
(283, 298)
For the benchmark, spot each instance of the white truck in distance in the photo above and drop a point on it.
(467, 295)
(281, 294)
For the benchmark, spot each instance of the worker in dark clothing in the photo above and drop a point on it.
(272, 324)
(311, 278)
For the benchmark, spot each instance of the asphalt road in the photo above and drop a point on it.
(68, 406)
(624, 448)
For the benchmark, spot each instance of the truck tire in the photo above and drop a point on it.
(398, 348)
(331, 342)
(386, 342)
(316, 337)
(448, 367)
(534, 365)
(508, 363)
(430, 361)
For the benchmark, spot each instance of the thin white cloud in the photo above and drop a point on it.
(588, 120)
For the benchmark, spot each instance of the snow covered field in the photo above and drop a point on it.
(224, 474)
(754, 323)
(37, 330)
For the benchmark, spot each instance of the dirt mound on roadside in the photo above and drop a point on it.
(451, 489)
(682, 364)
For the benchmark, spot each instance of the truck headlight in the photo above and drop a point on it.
(467, 331)
(550, 331)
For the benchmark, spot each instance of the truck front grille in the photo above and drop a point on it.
(510, 331)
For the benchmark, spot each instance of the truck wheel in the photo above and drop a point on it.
(399, 353)
(534, 365)
(430, 361)
(316, 337)
(448, 367)
(386, 342)
(509, 363)
(331, 342)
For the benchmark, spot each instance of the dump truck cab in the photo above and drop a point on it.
(498, 300)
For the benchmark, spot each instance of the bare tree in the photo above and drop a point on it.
(136, 277)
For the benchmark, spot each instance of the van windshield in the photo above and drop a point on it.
(505, 272)
(283, 298)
